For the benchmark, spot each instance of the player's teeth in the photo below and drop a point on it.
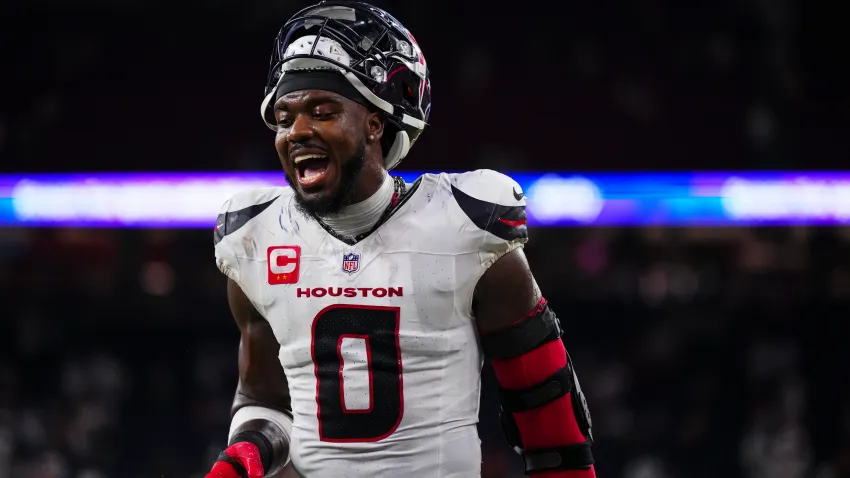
(309, 156)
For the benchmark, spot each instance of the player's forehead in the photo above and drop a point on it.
(308, 98)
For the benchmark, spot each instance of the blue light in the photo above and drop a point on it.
(554, 199)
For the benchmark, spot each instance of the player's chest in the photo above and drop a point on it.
(297, 279)
(303, 281)
(297, 282)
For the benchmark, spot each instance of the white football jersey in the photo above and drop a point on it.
(377, 339)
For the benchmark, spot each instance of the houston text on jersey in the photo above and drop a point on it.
(351, 292)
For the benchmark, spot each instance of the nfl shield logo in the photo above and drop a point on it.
(350, 262)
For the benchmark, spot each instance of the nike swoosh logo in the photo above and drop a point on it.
(518, 195)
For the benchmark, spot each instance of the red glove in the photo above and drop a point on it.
(239, 460)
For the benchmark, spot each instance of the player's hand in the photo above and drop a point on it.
(239, 460)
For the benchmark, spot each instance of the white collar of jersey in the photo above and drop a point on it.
(358, 218)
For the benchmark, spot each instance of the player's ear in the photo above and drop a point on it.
(375, 126)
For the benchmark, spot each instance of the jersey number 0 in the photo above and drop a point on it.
(377, 328)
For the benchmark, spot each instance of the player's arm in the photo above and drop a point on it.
(259, 432)
(544, 413)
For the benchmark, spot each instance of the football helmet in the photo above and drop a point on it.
(373, 51)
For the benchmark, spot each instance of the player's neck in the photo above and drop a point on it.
(358, 218)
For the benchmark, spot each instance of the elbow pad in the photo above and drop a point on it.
(544, 412)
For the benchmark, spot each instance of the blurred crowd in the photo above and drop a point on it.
(732, 84)
(704, 353)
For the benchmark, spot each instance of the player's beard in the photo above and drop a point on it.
(343, 195)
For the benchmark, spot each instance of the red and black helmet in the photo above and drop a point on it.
(369, 48)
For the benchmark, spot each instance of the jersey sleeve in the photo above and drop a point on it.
(225, 256)
(230, 228)
(495, 204)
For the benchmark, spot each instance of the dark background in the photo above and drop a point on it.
(704, 352)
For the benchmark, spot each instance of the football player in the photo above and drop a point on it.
(366, 304)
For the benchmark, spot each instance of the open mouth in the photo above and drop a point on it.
(311, 168)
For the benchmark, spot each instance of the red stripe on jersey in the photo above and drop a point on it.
(511, 223)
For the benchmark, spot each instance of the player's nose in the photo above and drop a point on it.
(301, 130)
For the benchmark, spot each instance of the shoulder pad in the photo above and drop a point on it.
(493, 201)
(243, 207)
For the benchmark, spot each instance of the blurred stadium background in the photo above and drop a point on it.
(709, 344)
